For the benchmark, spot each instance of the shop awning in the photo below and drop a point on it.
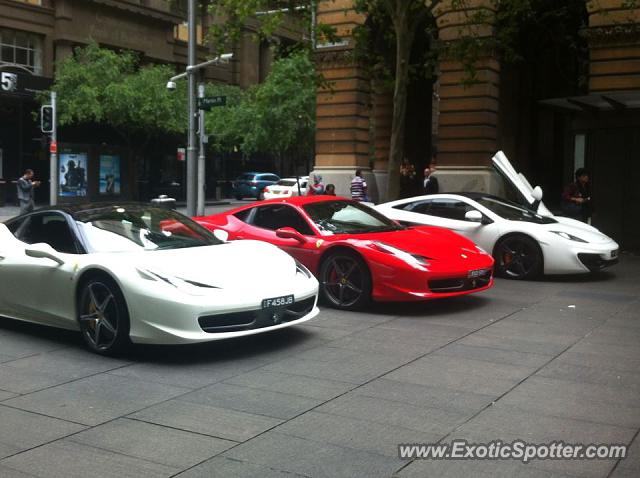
(603, 101)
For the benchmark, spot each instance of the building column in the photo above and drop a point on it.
(468, 113)
(343, 111)
(614, 50)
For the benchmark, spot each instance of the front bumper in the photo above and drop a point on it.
(172, 317)
(579, 258)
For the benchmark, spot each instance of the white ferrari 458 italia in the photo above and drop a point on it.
(525, 238)
(145, 275)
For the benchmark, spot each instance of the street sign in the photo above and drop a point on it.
(209, 102)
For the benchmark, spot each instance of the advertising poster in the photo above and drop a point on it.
(109, 175)
(73, 175)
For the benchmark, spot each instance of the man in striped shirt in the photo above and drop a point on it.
(358, 187)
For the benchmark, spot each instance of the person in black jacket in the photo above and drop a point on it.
(25, 191)
(430, 183)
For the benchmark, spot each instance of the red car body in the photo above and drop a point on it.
(406, 264)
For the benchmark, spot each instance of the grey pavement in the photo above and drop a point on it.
(547, 360)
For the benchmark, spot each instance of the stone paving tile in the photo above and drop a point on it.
(475, 469)
(299, 385)
(4, 395)
(358, 434)
(549, 333)
(433, 421)
(428, 396)
(20, 430)
(423, 326)
(6, 358)
(598, 373)
(488, 354)
(66, 459)
(207, 420)
(456, 373)
(228, 467)
(166, 446)
(409, 337)
(251, 400)
(337, 364)
(615, 358)
(40, 371)
(581, 401)
(356, 342)
(96, 399)
(520, 343)
(608, 334)
(6, 472)
(311, 458)
(23, 340)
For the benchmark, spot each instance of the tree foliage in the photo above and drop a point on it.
(98, 85)
(276, 117)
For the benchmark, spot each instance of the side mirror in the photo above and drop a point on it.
(290, 233)
(473, 216)
(221, 235)
(537, 193)
(43, 251)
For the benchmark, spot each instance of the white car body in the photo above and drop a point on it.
(166, 291)
(286, 188)
(560, 253)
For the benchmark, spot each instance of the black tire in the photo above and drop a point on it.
(103, 316)
(239, 197)
(259, 196)
(345, 280)
(518, 257)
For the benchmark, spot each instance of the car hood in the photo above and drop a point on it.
(428, 241)
(579, 229)
(236, 264)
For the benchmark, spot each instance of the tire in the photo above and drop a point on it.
(518, 257)
(103, 316)
(259, 196)
(345, 281)
(239, 197)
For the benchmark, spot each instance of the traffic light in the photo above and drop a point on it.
(46, 119)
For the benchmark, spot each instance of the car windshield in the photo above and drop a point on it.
(135, 228)
(512, 211)
(348, 217)
(246, 177)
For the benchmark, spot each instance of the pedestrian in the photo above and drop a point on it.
(577, 202)
(25, 187)
(330, 190)
(430, 183)
(317, 188)
(359, 187)
(407, 178)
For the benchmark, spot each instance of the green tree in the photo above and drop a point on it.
(98, 85)
(276, 117)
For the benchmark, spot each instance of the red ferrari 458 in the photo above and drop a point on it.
(358, 254)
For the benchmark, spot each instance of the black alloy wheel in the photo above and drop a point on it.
(103, 316)
(518, 257)
(345, 281)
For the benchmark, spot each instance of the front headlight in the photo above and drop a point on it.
(411, 259)
(568, 236)
(301, 269)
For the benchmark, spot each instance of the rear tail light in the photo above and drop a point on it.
(267, 190)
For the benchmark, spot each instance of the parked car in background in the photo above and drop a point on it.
(252, 184)
(287, 187)
(358, 254)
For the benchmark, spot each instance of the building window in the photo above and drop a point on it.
(21, 48)
(181, 32)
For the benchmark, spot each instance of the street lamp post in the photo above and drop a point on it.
(192, 178)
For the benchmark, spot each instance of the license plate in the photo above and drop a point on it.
(614, 254)
(477, 273)
(274, 302)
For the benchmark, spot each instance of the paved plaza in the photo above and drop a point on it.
(541, 361)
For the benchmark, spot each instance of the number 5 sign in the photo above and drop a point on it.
(9, 81)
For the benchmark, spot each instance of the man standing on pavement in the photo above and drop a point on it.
(358, 187)
(25, 191)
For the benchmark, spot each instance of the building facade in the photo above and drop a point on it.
(547, 126)
(35, 34)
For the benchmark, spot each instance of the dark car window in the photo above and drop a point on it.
(243, 215)
(51, 228)
(446, 208)
(280, 215)
(246, 177)
(269, 177)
